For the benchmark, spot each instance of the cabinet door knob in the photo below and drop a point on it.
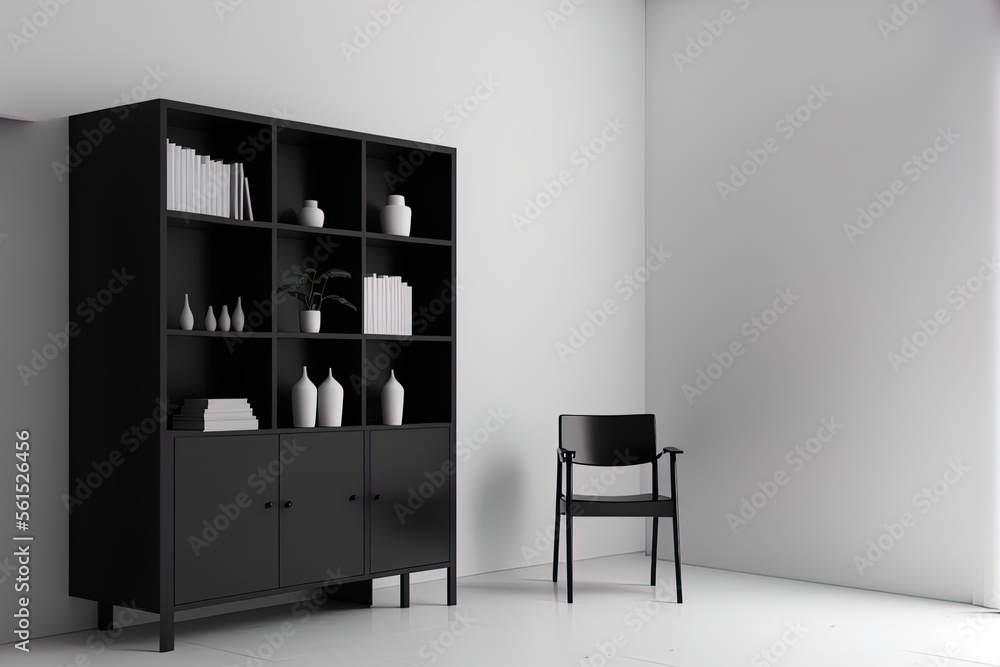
(353, 497)
(268, 505)
(288, 504)
(376, 496)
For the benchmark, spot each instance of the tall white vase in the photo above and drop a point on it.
(224, 320)
(187, 317)
(304, 402)
(330, 411)
(392, 401)
(239, 319)
(210, 321)
(395, 216)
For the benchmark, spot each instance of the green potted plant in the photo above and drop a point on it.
(309, 287)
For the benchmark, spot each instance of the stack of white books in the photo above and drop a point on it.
(199, 184)
(388, 305)
(216, 414)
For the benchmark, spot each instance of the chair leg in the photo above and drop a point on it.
(677, 560)
(652, 573)
(555, 546)
(569, 555)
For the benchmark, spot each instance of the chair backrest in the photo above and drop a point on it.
(609, 440)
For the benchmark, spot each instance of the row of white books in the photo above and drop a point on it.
(388, 305)
(216, 414)
(199, 184)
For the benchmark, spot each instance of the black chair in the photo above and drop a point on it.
(612, 440)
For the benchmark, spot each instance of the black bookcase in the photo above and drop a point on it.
(167, 520)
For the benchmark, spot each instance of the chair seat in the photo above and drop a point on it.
(639, 504)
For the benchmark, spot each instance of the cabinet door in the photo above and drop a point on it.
(225, 538)
(411, 474)
(322, 506)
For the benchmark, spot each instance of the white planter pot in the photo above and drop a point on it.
(310, 214)
(330, 410)
(304, 402)
(309, 321)
(392, 401)
(395, 216)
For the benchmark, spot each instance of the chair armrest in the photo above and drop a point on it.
(671, 450)
(566, 454)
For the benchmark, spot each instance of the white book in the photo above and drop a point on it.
(186, 179)
(219, 189)
(407, 310)
(397, 305)
(240, 187)
(246, 190)
(202, 198)
(170, 173)
(175, 176)
(233, 173)
(383, 304)
(366, 302)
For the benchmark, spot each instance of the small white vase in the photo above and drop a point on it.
(187, 317)
(330, 411)
(304, 402)
(210, 320)
(395, 216)
(224, 321)
(310, 214)
(239, 319)
(309, 321)
(392, 401)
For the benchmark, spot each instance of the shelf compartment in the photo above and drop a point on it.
(321, 252)
(427, 269)
(319, 355)
(422, 175)
(217, 367)
(230, 139)
(425, 371)
(324, 167)
(215, 266)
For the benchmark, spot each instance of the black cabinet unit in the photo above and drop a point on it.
(164, 519)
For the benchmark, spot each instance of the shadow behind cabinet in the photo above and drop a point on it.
(166, 520)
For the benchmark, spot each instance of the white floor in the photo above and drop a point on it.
(517, 618)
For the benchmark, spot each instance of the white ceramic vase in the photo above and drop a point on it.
(392, 401)
(224, 320)
(304, 402)
(239, 319)
(210, 321)
(330, 410)
(309, 321)
(395, 216)
(311, 215)
(187, 317)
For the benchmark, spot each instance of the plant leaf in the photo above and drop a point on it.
(335, 273)
(341, 300)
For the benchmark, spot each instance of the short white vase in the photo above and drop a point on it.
(224, 320)
(392, 401)
(395, 216)
(311, 215)
(330, 411)
(309, 321)
(210, 321)
(239, 319)
(187, 317)
(304, 402)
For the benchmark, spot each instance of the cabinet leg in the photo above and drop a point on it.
(452, 586)
(166, 630)
(404, 591)
(105, 616)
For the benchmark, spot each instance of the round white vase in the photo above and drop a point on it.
(309, 321)
(395, 216)
(330, 410)
(392, 401)
(239, 319)
(224, 321)
(310, 214)
(187, 317)
(210, 321)
(304, 402)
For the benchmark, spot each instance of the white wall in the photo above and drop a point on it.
(826, 357)
(554, 88)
